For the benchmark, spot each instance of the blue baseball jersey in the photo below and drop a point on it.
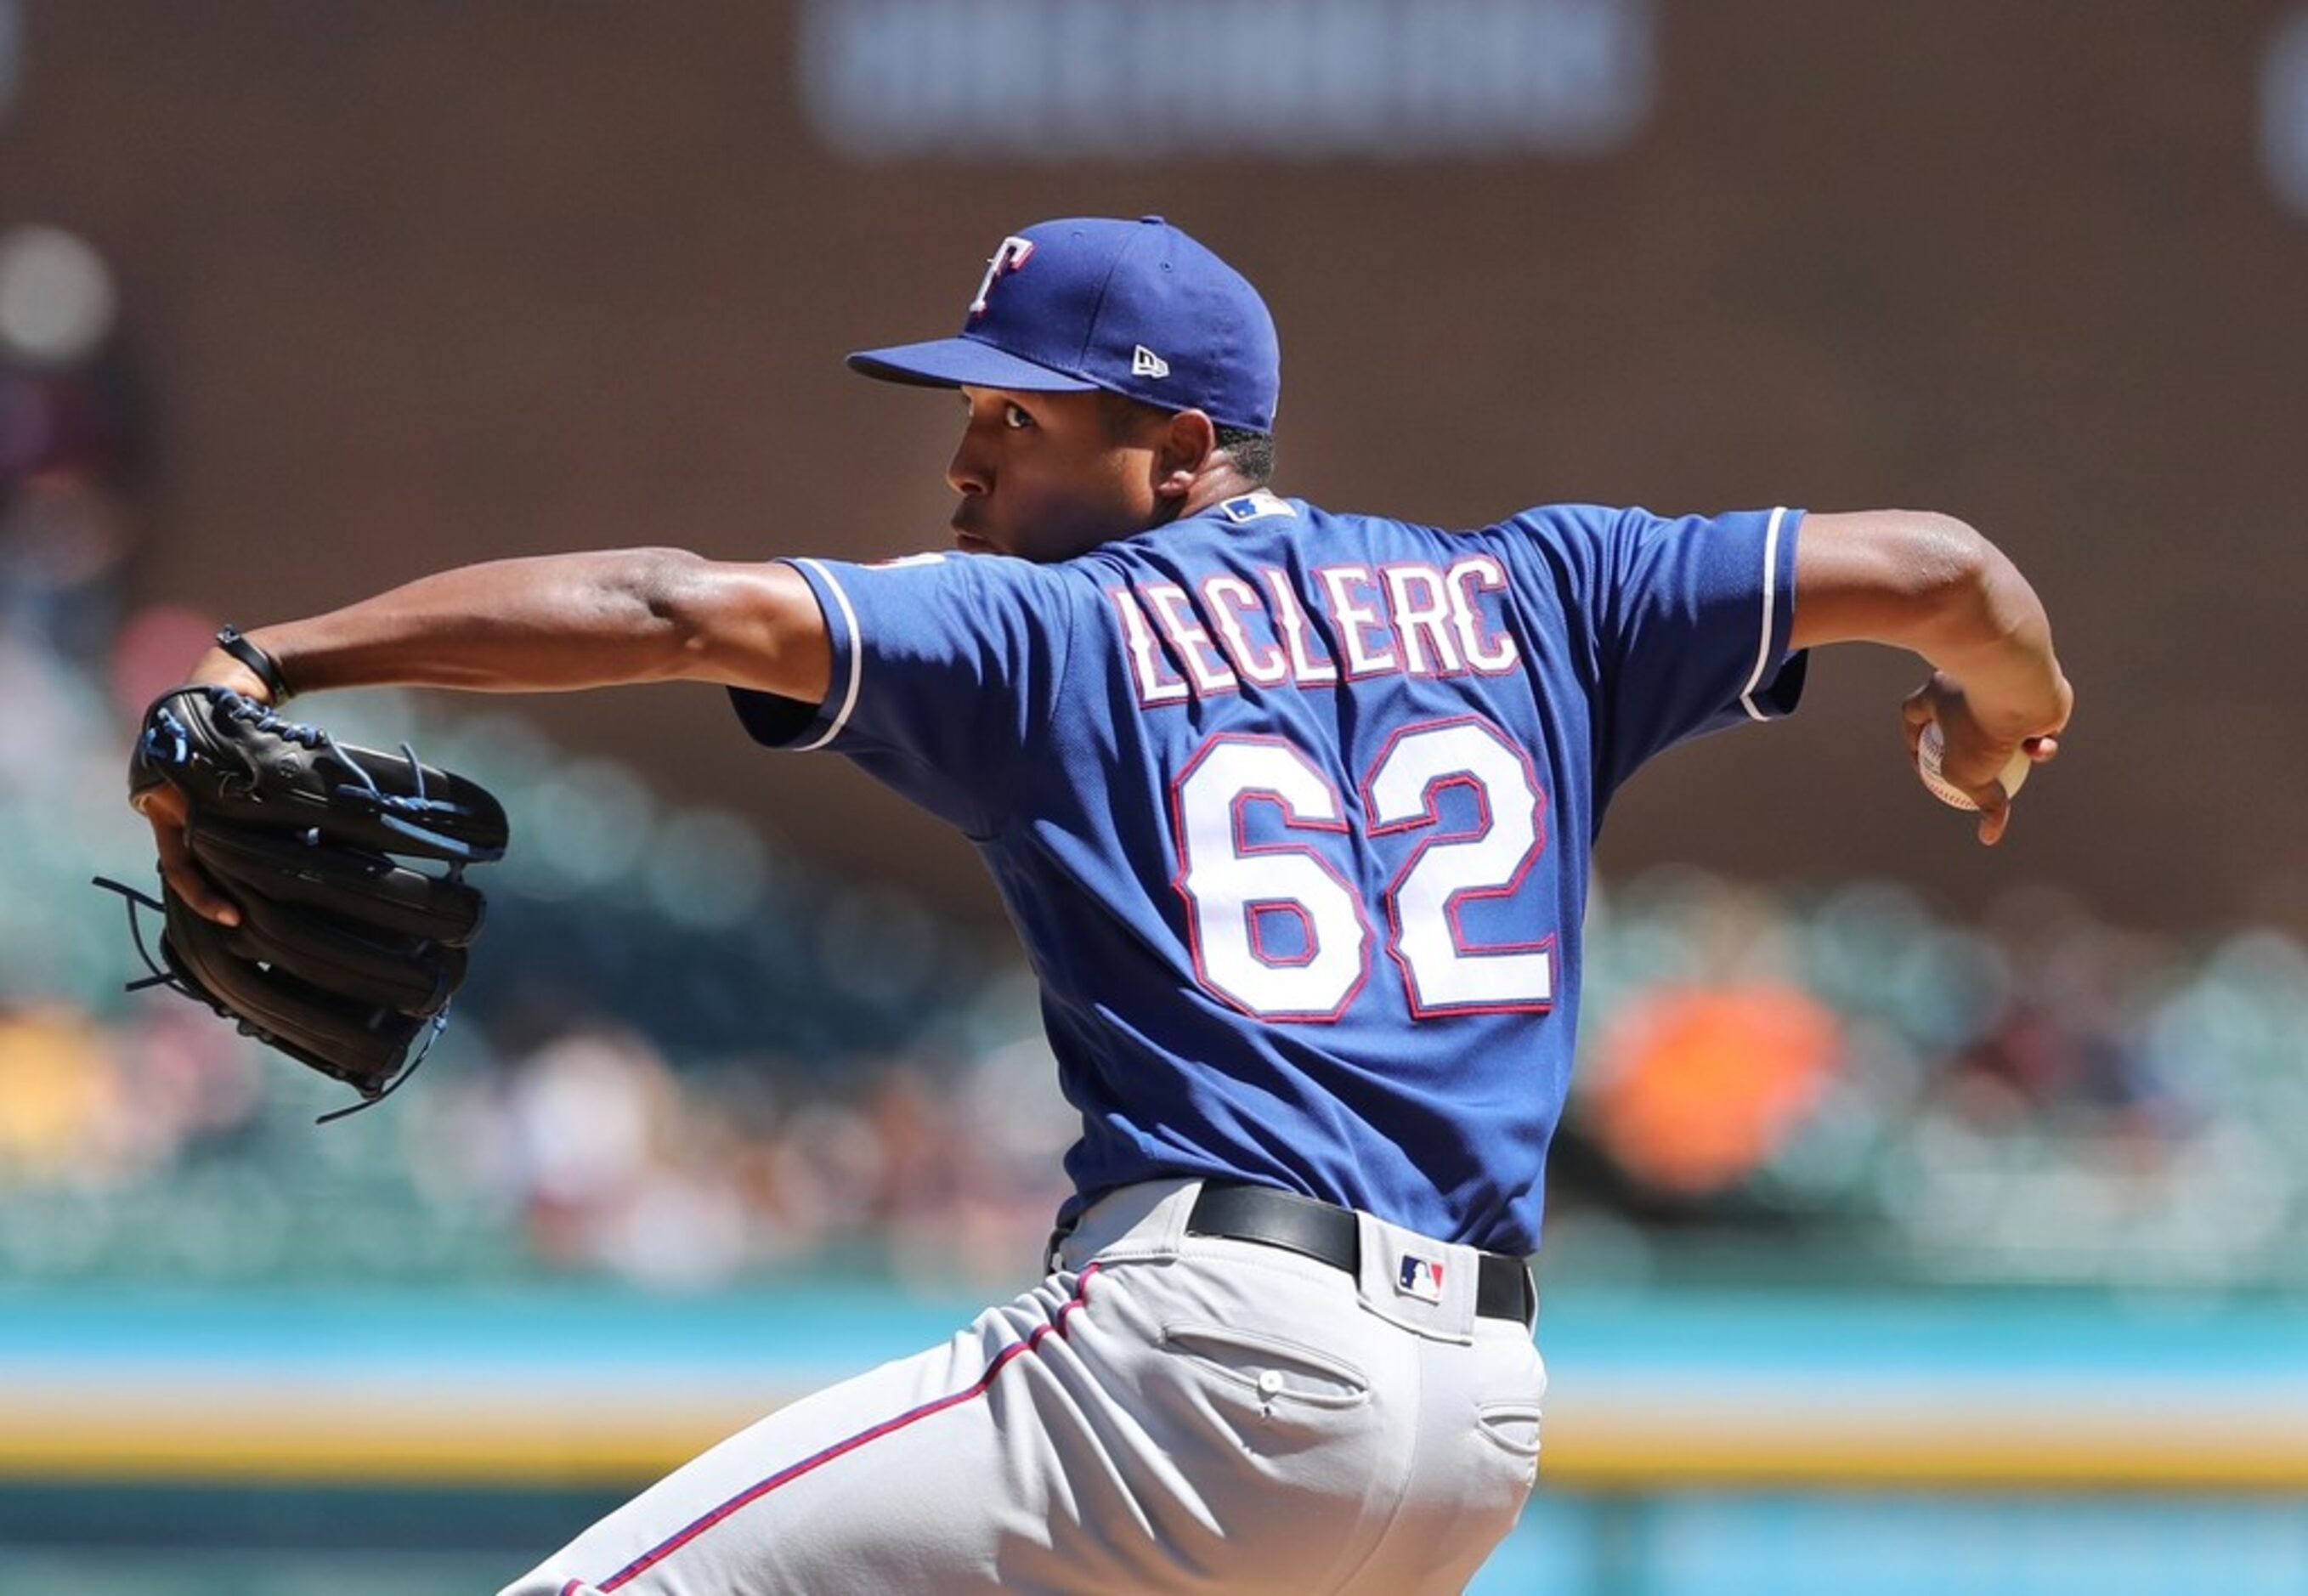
(1293, 811)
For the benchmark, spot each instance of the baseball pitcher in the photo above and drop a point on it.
(1292, 809)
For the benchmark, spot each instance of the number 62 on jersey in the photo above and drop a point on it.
(1234, 887)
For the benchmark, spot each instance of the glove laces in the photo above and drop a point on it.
(405, 814)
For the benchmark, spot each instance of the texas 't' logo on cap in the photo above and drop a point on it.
(1014, 253)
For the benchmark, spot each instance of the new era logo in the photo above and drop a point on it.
(1145, 363)
(1420, 1279)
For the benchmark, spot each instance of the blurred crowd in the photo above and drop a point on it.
(1865, 1087)
(686, 1060)
(680, 1058)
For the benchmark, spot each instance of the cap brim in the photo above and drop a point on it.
(962, 362)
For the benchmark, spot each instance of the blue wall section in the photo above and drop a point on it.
(229, 1519)
(193, 1542)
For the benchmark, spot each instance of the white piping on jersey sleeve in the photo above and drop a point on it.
(1771, 595)
(857, 653)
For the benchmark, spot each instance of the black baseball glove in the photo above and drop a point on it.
(345, 953)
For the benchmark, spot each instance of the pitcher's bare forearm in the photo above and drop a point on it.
(1933, 585)
(558, 622)
(1997, 643)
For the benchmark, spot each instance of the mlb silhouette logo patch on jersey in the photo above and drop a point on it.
(1249, 506)
(1420, 1279)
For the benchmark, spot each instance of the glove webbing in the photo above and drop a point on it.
(162, 976)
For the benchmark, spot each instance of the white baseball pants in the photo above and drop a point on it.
(1164, 1412)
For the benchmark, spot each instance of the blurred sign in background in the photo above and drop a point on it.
(1914, 1198)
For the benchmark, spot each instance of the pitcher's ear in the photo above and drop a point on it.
(1185, 448)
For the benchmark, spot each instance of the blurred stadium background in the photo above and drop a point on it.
(1928, 1220)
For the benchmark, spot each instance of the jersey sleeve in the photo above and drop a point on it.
(946, 669)
(1689, 619)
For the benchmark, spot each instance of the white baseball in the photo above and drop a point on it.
(2010, 778)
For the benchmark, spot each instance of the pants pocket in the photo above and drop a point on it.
(1275, 1373)
(1512, 1426)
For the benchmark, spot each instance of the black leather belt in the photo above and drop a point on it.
(1503, 1285)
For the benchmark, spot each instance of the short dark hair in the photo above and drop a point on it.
(1253, 452)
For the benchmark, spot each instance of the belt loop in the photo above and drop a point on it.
(1146, 1220)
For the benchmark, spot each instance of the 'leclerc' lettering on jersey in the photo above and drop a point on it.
(1414, 619)
(1293, 811)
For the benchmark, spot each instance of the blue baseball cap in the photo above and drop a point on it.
(1135, 308)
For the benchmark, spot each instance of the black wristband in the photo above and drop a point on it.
(267, 668)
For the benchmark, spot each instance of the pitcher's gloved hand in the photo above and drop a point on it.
(289, 900)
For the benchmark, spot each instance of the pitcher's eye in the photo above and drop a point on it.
(1014, 417)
